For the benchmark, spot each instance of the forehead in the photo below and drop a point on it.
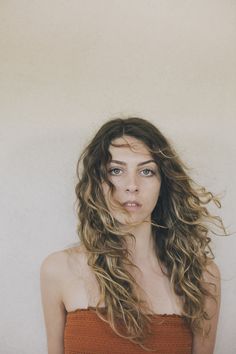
(128, 144)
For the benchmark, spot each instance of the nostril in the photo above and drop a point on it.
(132, 188)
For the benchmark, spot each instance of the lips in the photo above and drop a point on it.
(132, 203)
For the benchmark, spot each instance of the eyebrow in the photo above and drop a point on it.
(139, 164)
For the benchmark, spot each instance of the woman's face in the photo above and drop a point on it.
(136, 178)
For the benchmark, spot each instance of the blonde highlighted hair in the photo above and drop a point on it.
(180, 226)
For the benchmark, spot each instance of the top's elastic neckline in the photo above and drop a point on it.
(149, 314)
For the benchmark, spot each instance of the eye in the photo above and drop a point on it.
(114, 171)
(148, 172)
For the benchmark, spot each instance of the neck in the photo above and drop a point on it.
(143, 249)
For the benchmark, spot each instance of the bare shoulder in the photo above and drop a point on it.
(53, 271)
(213, 268)
(57, 258)
(62, 264)
(67, 275)
(212, 275)
(212, 282)
(53, 263)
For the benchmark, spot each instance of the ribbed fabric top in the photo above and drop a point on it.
(86, 333)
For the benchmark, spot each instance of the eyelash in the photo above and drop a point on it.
(146, 169)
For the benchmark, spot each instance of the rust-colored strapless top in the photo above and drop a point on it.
(86, 333)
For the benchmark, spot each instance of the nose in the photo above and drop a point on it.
(132, 189)
(131, 185)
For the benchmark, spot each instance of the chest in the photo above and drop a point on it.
(157, 290)
(154, 288)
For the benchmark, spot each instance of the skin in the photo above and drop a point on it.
(64, 289)
(133, 181)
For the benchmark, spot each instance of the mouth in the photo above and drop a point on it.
(131, 205)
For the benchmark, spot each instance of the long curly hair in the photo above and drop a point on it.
(180, 228)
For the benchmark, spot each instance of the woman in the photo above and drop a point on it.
(143, 276)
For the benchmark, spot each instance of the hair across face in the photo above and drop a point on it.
(130, 160)
(136, 179)
(142, 135)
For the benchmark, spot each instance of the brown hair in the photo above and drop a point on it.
(179, 225)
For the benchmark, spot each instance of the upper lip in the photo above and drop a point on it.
(132, 201)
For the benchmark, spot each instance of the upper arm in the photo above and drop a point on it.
(53, 307)
(206, 345)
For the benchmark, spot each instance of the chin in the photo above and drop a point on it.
(133, 218)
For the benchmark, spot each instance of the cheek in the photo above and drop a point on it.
(108, 195)
(153, 193)
(117, 182)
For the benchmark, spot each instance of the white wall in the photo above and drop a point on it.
(68, 66)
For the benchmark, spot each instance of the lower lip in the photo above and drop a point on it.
(132, 207)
